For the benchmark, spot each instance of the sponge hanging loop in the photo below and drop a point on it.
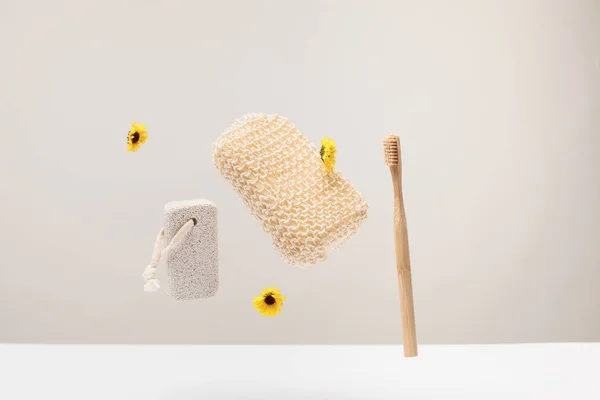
(151, 282)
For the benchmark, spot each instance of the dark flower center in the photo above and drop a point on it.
(270, 300)
(135, 137)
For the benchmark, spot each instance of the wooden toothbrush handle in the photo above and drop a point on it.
(409, 333)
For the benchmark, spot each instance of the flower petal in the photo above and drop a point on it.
(141, 128)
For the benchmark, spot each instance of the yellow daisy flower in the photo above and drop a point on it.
(327, 153)
(136, 136)
(269, 302)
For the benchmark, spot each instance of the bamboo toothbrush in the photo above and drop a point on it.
(391, 148)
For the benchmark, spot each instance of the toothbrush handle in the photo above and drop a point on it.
(409, 334)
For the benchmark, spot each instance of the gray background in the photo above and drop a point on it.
(497, 104)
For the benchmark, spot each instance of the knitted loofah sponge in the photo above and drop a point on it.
(280, 176)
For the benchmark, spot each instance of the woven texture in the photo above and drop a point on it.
(192, 266)
(280, 176)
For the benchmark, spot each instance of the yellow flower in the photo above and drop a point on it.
(136, 136)
(269, 302)
(327, 153)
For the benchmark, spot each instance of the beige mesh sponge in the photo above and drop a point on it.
(279, 174)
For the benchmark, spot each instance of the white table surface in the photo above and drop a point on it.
(529, 371)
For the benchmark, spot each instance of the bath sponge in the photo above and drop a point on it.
(192, 257)
(280, 176)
